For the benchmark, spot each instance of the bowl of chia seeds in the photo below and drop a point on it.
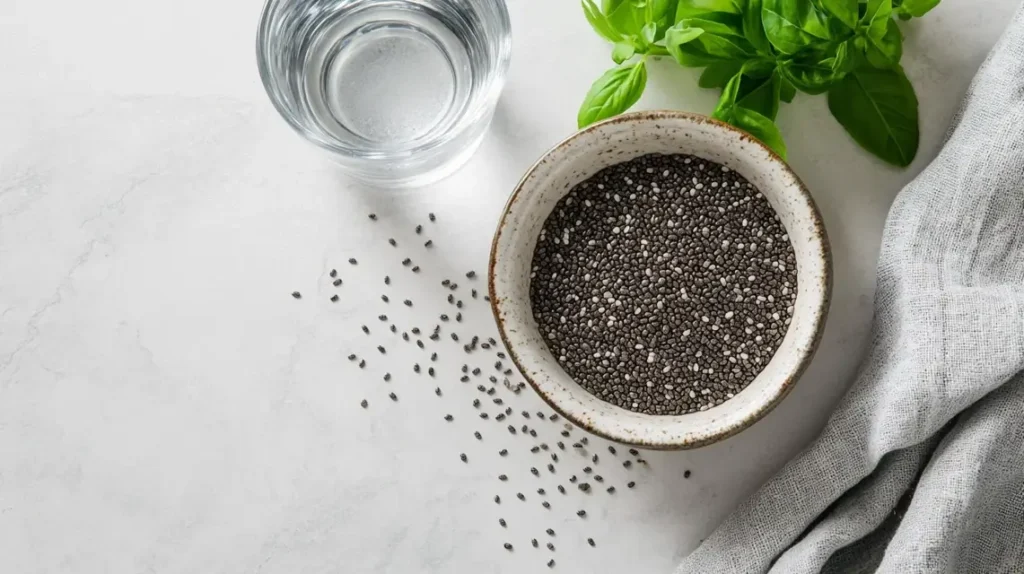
(661, 279)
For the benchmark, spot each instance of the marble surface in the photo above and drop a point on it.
(166, 406)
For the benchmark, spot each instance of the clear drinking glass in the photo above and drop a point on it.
(400, 92)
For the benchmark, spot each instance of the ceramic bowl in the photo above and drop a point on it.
(621, 139)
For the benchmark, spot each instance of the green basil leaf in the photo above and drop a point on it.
(626, 19)
(630, 17)
(787, 91)
(761, 128)
(916, 8)
(887, 52)
(690, 8)
(599, 22)
(649, 31)
(727, 101)
(725, 44)
(729, 25)
(718, 74)
(613, 93)
(876, 18)
(792, 25)
(753, 28)
(760, 94)
(878, 108)
(609, 6)
(676, 39)
(846, 11)
(622, 52)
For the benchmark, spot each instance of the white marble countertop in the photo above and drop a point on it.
(166, 406)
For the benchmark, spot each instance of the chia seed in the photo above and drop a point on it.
(671, 302)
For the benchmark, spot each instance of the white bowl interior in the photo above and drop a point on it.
(616, 141)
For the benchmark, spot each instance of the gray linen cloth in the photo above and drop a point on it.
(921, 467)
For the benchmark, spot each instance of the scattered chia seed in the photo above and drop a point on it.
(546, 504)
(432, 217)
(334, 298)
(387, 377)
(384, 298)
(561, 489)
(407, 262)
(362, 363)
(497, 499)
(334, 273)
(551, 546)
(364, 403)
(437, 391)
(393, 242)
(534, 471)
(433, 357)
(587, 470)
(611, 449)
(393, 396)
(337, 282)
(550, 532)
(634, 452)
(534, 542)
(419, 229)
(508, 547)
(296, 294)
(471, 275)
(478, 435)
(598, 478)
(501, 521)
(352, 357)
(594, 459)
(611, 490)
(671, 302)
(463, 457)
(591, 542)
(455, 337)
(520, 496)
(627, 464)
(503, 452)
(502, 477)
(416, 368)
(551, 563)
(686, 474)
(352, 261)
(581, 513)
(473, 293)
(387, 280)
(366, 329)
(551, 468)
(373, 216)
(584, 487)
(630, 484)
(500, 417)
(416, 269)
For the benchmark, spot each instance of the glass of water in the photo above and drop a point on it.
(400, 92)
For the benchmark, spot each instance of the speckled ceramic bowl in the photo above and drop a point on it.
(621, 139)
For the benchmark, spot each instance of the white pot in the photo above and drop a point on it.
(622, 139)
